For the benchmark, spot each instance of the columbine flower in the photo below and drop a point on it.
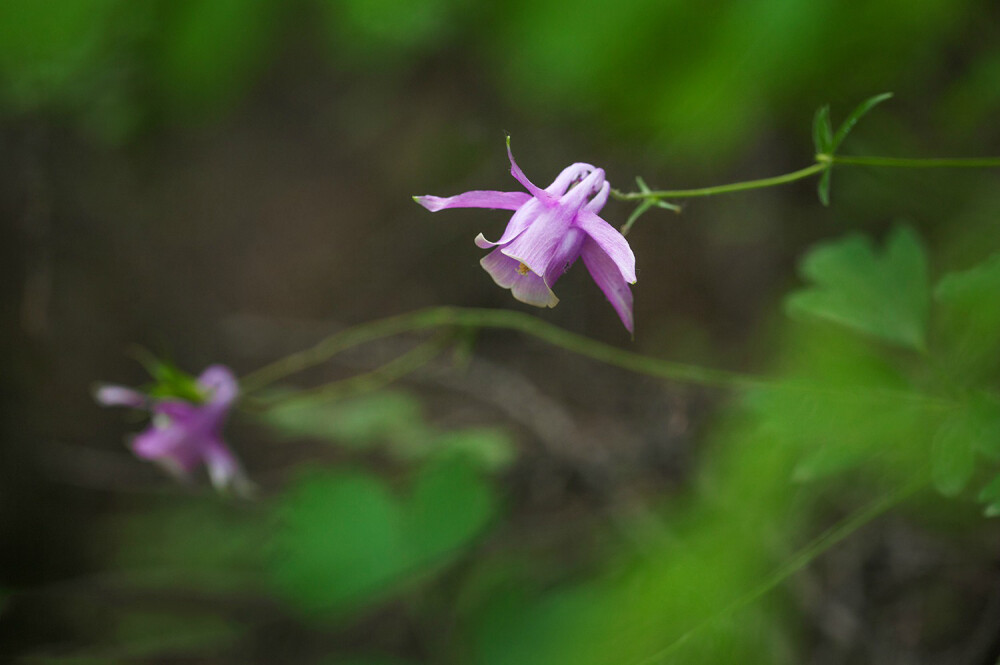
(185, 434)
(549, 230)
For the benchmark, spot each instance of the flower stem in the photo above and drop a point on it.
(899, 162)
(455, 317)
(722, 189)
(380, 377)
(823, 162)
(799, 560)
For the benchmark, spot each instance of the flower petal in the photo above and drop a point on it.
(111, 395)
(565, 255)
(476, 199)
(611, 242)
(518, 174)
(609, 278)
(524, 285)
(521, 220)
(569, 175)
(221, 384)
(597, 203)
(537, 244)
(183, 413)
(224, 468)
(171, 442)
(576, 198)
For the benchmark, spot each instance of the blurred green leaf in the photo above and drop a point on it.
(358, 422)
(345, 540)
(885, 296)
(953, 454)
(822, 131)
(969, 319)
(843, 404)
(859, 112)
(339, 543)
(487, 448)
(990, 495)
(823, 188)
(392, 419)
(450, 504)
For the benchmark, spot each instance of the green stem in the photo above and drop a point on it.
(823, 162)
(722, 189)
(799, 560)
(899, 162)
(380, 377)
(454, 317)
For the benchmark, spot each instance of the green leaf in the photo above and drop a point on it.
(884, 296)
(339, 543)
(969, 319)
(990, 495)
(822, 131)
(823, 188)
(487, 448)
(450, 505)
(953, 454)
(859, 112)
(360, 422)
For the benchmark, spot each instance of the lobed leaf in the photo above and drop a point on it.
(885, 296)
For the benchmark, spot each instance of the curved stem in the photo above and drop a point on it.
(455, 317)
(722, 189)
(823, 162)
(377, 378)
(436, 318)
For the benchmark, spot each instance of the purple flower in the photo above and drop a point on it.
(185, 434)
(549, 230)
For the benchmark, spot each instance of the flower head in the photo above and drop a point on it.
(550, 229)
(184, 434)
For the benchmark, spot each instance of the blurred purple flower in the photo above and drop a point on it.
(185, 434)
(549, 230)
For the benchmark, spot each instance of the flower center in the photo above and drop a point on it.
(523, 269)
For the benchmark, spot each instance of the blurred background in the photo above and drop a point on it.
(230, 180)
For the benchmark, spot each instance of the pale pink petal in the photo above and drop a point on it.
(155, 443)
(520, 220)
(608, 277)
(565, 255)
(576, 198)
(537, 244)
(597, 203)
(569, 175)
(224, 468)
(177, 411)
(221, 384)
(110, 395)
(611, 242)
(525, 285)
(476, 199)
